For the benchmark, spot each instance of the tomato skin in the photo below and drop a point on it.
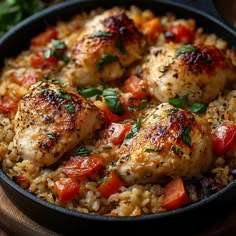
(116, 132)
(175, 195)
(83, 166)
(224, 138)
(110, 117)
(44, 37)
(28, 80)
(66, 189)
(180, 33)
(111, 185)
(136, 86)
(7, 105)
(39, 61)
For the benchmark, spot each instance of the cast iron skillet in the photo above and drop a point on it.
(67, 222)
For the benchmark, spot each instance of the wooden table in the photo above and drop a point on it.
(14, 222)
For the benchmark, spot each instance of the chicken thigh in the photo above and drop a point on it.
(169, 142)
(200, 71)
(105, 46)
(50, 121)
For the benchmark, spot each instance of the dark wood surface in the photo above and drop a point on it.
(14, 222)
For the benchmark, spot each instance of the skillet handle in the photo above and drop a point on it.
(206, 6)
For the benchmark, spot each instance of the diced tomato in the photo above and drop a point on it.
(28, 80)
(180, 33)
(175, 195)
(39, 61)
(111, 185)
(151, 27)
(224, 138)
(44, 37)
(83, 166)
(110, 117)
(66, 189)
(137, 87)
(110, 214)
(116, 132)
(7, 105)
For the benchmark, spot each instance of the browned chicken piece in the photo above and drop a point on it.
(107, 44)
(222, 109)
(51, 120)
(200, 71)
(169, 142)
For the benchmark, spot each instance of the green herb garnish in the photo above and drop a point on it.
(52, 135)
(51, 52)
(102, 34)
(89, 92)
(70, 107)
(63, 94)
(185, 49)
(105, 59)
(82, 151)
(179, 102)
(58, 44)
(185, 135)
(143, 104)
(198, 108)
(119, 44)
(157, 149)
(112, 101)
(134, 130)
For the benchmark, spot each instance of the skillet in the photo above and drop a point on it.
(185, 220)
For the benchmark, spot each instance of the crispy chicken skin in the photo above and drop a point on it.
(110, 38)
(50, 121)
(170, 142)
(200, 71)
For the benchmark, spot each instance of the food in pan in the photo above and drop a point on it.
(120, 112)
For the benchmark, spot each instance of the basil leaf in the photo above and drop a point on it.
(198, 108)
(58, 44)
(185, 49)
(82, 151)
(185, 136)
(51, 52)
(102, 34)
(70, 107)
(106, 58)
(119, 44)
(157, 149)
(134, 130)
(63, 94)
(143, 104)
(112, 101)
(89, 92)
(179, 102)
(52, 135)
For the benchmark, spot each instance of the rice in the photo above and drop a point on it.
(129, 200)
